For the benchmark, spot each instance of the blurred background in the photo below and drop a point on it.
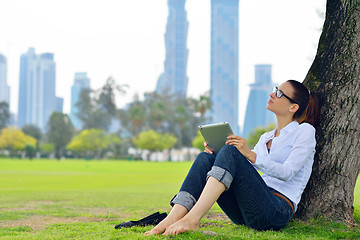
(134, 79)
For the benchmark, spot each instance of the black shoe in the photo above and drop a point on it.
(152, 219)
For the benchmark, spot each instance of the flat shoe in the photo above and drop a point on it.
(152, 219)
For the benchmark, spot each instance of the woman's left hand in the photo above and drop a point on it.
(241, 145)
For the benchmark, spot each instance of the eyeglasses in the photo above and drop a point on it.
(279, 94)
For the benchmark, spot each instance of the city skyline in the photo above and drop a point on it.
(286, 39)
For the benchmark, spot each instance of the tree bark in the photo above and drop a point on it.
(335, 74)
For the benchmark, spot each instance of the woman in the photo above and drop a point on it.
(284, 156)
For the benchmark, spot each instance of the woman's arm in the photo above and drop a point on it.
(241, 145)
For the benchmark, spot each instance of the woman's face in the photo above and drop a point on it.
(282, 106)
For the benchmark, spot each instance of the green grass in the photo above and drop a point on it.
(77, 199)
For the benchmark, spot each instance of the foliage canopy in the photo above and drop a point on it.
(154, 141)
(92, 140)
(4, 114)
(14, 139)
(198, 141)
(59, 131)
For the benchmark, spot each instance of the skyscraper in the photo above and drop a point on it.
(224, 61)
(47, 86)
(37, 98)
(4, 88)
(174, 81)
(256, 113)
(59, 104)
(81, 81)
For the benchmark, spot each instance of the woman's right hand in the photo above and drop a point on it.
(207, 149)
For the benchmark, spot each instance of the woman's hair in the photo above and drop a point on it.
(309, 104)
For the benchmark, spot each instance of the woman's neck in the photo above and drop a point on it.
(281, 123)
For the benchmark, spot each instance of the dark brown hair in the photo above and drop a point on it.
(309, 104)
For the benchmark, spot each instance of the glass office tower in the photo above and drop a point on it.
(59, 104)
(37, 98)
(224, 62)
(81, 81)
(174, 80)
(256, 113)
(4, 88)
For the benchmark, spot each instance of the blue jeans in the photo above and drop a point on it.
(247, 200)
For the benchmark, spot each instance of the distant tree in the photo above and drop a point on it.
(14, 139)
(198, 141)
(107, 94)
(202, 105)
(46, 148)
(116, 144)
(137, 116)
(89, 113)
(30, 151)
(33, 131)
(92, 142)
(154, 141)
(158, 112)
(162, 113)
(59, 132)
(123, 116)
(4, 114)
(256, 133)
(181, 115)
(187, 120)
(133, 116)
(97, 108)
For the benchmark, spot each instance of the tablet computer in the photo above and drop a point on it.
(216, 134)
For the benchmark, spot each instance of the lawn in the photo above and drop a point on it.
(78, 199)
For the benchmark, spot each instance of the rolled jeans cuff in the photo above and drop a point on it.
(221, 175)
(184, 199)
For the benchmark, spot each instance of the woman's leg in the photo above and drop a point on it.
(176, 213)
(195, 180)
(189, 193)
(211, 192)
(256, 206)
(247, 200)
(259, 208)
(228, 203)
(218, 181)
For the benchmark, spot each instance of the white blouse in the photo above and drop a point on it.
(288, 165)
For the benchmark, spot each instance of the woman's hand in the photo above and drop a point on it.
(207, 149)
(241, 145)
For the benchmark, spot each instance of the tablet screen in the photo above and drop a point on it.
(216, 134)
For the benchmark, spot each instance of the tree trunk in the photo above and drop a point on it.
(335, 74)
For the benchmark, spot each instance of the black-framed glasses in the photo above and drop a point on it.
(279, 94)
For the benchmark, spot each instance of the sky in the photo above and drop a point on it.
(125, 39)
